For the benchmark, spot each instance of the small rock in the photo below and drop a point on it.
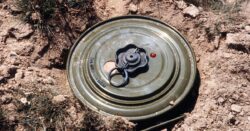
(197, 59)
(133, 8)
(171, 103)
(49, 80)
(247, 28)
(7, 72)
(235, 96)
(35, 16)
(24, 100)
(20, 127)
(57, 29)
(14, 9)
(242, 113)
(238, 41)
(221, 100)
(227, 55)
(15, 61)
(25, 49)
(216, 42)
(12, 53)
(192, 11)
(22, 31)
(231, 38)
(236, 108)
(211, 47)
(181, 4)
(58, 99)
(19, 75)
(3, 70)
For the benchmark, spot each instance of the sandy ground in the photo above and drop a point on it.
(34, 93)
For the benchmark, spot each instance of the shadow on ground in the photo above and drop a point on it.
(187, 105)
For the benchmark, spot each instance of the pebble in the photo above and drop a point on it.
(236, 108)
(19, 75)
(24, 100)
(49, 80)
(221, 100)
(227, 55)
(21, 31)
(25, 49)
(14, 9)
(12, 53)
(132, 8)
(35, 16)
(231, 38)
(247, 28)
(181, 4)
(192, 11)
(58, 99)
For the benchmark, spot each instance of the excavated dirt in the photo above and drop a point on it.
(34, 93)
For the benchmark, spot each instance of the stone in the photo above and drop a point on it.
(247, 28)
(49, 80)
(236, 108)
(24, 100)
(227, 55)
(7, 72)
(238, 41)
(58, 99)
(14, 60)
(192, 11)
(133, 8)
(19, 75)
(12, 53)
(181, 4)
(35, 16)
(221, 100)
(26, 49)
(3, 70)
(21, 31)
(14, 9)
(231, 38)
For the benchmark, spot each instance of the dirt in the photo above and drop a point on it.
(34, 93)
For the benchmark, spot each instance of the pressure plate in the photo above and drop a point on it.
(131, 66)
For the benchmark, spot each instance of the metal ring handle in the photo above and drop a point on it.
(125, 80)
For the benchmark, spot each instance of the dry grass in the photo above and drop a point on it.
(42, 113)
(38, 12)
(45, 14)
